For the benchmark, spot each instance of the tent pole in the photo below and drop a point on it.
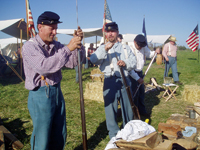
(96, 41)
(20, 52)
(27, 21)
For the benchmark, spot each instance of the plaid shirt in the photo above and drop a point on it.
(41, 59)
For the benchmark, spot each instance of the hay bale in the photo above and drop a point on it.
(97, 75)
(94, 91)
(96, 71)
(191, 93)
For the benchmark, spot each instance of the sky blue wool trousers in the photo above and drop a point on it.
(47, 109)
(114, 91)
(172, 63)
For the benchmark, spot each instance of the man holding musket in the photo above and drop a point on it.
(43, 58)
(113, 89)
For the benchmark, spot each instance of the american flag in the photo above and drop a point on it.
(107, 16)
(31, 28)
(193, 39)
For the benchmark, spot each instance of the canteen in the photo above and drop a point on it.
(159, 59)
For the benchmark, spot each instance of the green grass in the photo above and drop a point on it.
(16, 118)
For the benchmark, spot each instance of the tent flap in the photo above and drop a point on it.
(12, 27)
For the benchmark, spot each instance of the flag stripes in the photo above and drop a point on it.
(193, 40)
(31, 28)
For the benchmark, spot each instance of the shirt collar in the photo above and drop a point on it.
(41, 42)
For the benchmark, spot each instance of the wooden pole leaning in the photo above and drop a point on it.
(21, 33)
(11, 67)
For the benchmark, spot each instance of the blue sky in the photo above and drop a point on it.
(174, 17)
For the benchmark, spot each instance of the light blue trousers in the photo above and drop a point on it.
(172, 63)
(47, 109)
(113, 91)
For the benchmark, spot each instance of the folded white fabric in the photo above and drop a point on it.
(135, 129)
(189, 131)
(111, 144)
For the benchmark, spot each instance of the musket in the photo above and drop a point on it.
(154, 56)
(84, 134)
(134, 108)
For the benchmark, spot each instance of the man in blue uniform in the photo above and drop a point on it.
(114, 90)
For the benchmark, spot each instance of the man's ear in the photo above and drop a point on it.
(39, 26)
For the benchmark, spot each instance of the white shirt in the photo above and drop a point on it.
(140, 57)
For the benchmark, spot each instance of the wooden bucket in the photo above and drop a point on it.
(159, 59)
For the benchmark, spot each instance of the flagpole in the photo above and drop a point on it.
(198, 44)
(27, 21)
(104, 21)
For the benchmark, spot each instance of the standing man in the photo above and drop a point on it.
(114, 90)
(169, 53)
(140, 49)
(43, 58)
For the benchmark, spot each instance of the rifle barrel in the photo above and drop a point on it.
(84, 134)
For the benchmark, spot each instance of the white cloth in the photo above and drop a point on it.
(189, 131)
(140, 57)
(133, 130)
(111, 144)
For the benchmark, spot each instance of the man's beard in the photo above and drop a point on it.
(112, 39)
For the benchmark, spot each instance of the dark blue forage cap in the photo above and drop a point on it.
(141, 40)
(48, 18)
(120, 36)
(111, 26)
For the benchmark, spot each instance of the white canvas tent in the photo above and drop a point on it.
(87, 32)
(12, 27)
(10, 45)
(160, 39)
(154, 39)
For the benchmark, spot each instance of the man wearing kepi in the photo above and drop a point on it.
(113, 89)
(169, 53)
(140, 49)
(43, 58)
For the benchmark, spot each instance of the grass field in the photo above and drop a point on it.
(16, 118)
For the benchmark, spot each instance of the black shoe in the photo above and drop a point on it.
(177, 82)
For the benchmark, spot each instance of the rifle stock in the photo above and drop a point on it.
(128, 90)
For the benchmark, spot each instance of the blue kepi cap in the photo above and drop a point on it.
(48, 18)
(141, 40)
(111, 26)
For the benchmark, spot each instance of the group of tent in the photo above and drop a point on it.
(17, 29)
